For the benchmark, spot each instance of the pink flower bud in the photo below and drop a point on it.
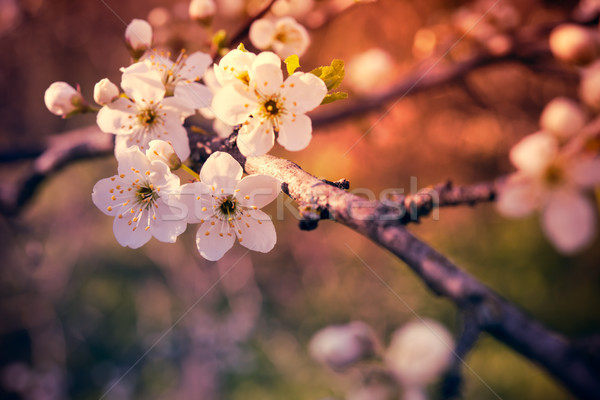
(163, 151)
(339, 346)
(63, 99)
(202, 11)
(105, 92)
(138, 37)
(563, 118)
(574, 44)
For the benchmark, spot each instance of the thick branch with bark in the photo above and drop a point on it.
(495, 315)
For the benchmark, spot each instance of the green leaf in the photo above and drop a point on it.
(241, 47)
(292, 63)
(332, 75)
(335, 96)
(220, 38)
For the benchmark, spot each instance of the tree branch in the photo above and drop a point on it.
(495, 315)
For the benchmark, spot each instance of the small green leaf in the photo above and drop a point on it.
(219, 38)
(335, 96)
(332, 75)
(241, 47)
(292, 63)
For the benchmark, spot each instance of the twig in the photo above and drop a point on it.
(243, 32)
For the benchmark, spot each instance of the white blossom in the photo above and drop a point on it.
(105, 92)
(139, 198)
(284, 36)
(555, 182)
(202, 10)
(292, 8)
(419, 352)
(227, 207)
(369, 70)
(146, 114)
(563, 118)
(138, 36)
(339, 346)
(234, 68)
(275, 106)
(62, 99)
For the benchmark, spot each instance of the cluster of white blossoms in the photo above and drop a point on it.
(146, 114)
(555, 174)
(245, 93)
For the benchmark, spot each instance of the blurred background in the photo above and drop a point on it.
(80, 315)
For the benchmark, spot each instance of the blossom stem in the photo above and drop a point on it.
(190, 171)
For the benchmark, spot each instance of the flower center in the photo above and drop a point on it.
(228, 207)
(271, 108)
(553, 175)
(147, 117)
(146, 194)
(244, 77)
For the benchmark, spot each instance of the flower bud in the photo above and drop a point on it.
(63, 99)
(163, 151)
(419, 352)
(105, 92)
(574, 44)
(589, 87)
(202, 11)
(562, 117)
(339, 346)
(369, 70)
(138, 37)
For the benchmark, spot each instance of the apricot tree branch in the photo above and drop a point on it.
(494, 315)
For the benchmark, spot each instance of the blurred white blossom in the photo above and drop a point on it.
(554, 182)
(340, 346)
(369, 70)
(202, 10)
(563, 118)
(284, 36)
(419, 352)
(138, 37)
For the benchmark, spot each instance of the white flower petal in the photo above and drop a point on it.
(196, 95)
(303, 92)
(213, 241)
(195, 199)
(143, 83)
(236, 63)
(534, 152)
(221, 170)
(266, 76)
(127, 236)
(255, 138)
(101, 195)
(585, 172)
(262, 33)
(177, 136)
(171, 221)
(132, 158)
(257, 190)
(295, 132)
(114, 117)
(519, 196)
(258, 232)
(233, 106)
(195, 65)
(569, 221)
